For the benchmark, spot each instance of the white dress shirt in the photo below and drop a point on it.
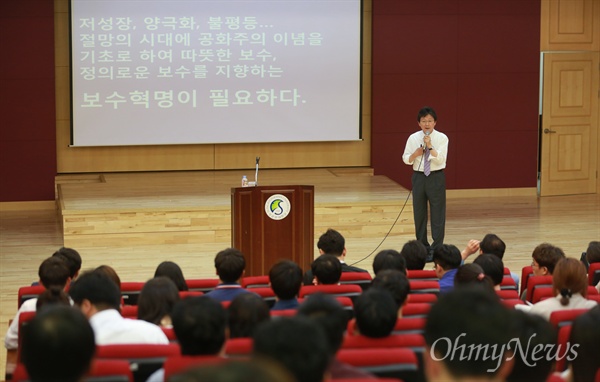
(111, 328)
(439, 141)
(11, 341)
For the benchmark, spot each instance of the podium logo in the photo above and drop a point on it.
(277, 207)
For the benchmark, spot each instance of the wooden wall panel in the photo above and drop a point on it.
(570, 25)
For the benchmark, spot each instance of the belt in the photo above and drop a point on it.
(421, 172)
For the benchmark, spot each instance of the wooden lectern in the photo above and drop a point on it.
(270, 223)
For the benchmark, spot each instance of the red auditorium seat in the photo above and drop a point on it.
(383, 362)
(130, 292)
(190, 293)
(526, 272)
(100, 370)
(408, 325)
(284, 313)
(534, 282)
(202, 285)
(565, 317)
(424, 286)
(412, 341)
(425, 275)
(346, 290)
(362, 279)
(129, 311)
(564, 332)
(256, 282)
(594, 274)
(429, 298)
(178, 364)
(148, 358)
(416, 309)
(508, 284)
(238, 347)
(507, 294)
(28, 292)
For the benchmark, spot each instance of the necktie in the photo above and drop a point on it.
(427, 165)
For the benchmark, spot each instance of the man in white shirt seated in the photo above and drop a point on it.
(99, 298)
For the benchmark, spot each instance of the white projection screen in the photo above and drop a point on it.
(159, 72)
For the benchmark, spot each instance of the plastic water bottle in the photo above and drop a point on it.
(244, 181)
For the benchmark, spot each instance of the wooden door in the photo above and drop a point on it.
(569, 136)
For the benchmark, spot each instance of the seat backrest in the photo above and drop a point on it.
(416, 309)
(429, 298)
(506, 272)
(413, 341)
(130, 292)
(362, 279)
(425, 274)
(594, 274)
(256, 281)
(534, 282)
(526, 272)
(284, 313)
(564, 332)
(508, 283)
(345, 290)
(24, 319)
(177, 364)
(592, 290)
(144, 359)
(383, 362)
(190, 293)
(267, 294)
(239, 347)
(541, 293)
(28, 292)
(202, 285)
(409, 325)
(594, 297)
(101, 370)
(507, 294)
(129, 311)
(424, 286)
(560, 318)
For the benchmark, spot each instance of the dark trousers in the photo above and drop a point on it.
(429, 191)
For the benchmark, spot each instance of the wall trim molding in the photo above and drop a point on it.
(28, 206)
(491, 192)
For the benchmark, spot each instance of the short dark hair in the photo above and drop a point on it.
(230, 265)
(298, 343)
(110, 272)
(332, 242)
(58, 345)
(425, 111)
(157, 299)
(286, 279)
(71, 257)
(447, 256)
(98, 288)
(593, 252)
(472, 276)
(330, 315)
(172, 271)
(327, 269)
(547, 255)
(492, 266)
(199, 324)
(389, 259)
(395, 282)
(415, 254)
(53, 272)
(492, 244)
(532, 331)
(467, 315)
(376, 313)
(245, 312)
(51, 297)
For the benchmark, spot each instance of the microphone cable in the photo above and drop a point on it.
(394, 223)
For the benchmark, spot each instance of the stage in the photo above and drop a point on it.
(137, 220)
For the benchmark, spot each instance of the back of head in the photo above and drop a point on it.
(297, 343)
(585, 332)
(199, 324)
(230, 265)
(54, 272)
(532, 332)
(173, 271)
(492, 266)
(472, 276)
(389, 259)
(245, 313)
(466, 329)
(492, 244)
(376, 313)
(329, 314)
(569, 277)
(286, 279)
(111, 273)
(447, 256)
(98, 289)
(72, 258)
(547, 255)
(157, 299)
(327, 269)
(415, 255)
(332, 243)
(58, 345)
(51, 297)
(593, 252)
(395, 282)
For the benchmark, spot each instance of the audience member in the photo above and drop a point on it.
(493, 268)
(236, 371)
(332, 243)
(58, 345)
(569, 285)
(389, 259)
(245, 313)
(173, 271)
(72, 258)
(396, 283)
(50, 297)
(299, 344)
(446, 260)
(326, 269)
(466, 333)
(586, 334)
(200, 325)
(592, 255)
(111, 273)
(53, 272)
(415, 253)
(285, 277)
(533, 333)
(333, 319)
(230, 265)
(157, 299)
(472, 276)
(376, 313)
(98, 297)
(544, 259)
(490, 244)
